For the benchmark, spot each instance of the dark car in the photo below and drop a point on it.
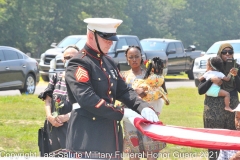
(17, 71)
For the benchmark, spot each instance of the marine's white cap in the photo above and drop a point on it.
(237, 109)
(105, 25)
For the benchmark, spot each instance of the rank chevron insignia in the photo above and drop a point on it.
(81, 75)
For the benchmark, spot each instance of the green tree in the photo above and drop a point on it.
(204, 22)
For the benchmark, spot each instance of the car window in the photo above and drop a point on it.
(10, 55)
(68, 41)
(132, 41)
(215, 47)
(236, 47)
(171, 47)
(179, 48)
(153, 46)
(2, 56)
(121, 42)
(80, 44)
(20, 56)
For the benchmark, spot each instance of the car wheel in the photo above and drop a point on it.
(29, 86)
(45, 78)
(190, 74)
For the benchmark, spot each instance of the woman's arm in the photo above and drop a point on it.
(50, 118)
(204, 85)
(236, 73)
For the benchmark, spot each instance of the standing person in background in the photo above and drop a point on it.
(94, 84)
(134, 141)
(57, 106)
(232, 154)
(214, 115)
(214, 69)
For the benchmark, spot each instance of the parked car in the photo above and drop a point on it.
(17, 71)
(178, 58)
(50, 54)
(201, 62)
(117, 52)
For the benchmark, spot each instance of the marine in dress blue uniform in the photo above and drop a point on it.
(94, 84)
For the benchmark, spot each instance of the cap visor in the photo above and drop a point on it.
(113, 38)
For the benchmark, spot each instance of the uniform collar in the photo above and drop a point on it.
(93, 52)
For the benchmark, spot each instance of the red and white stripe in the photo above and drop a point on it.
(193, 137)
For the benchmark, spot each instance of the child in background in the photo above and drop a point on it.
(215, 68)
(153, 83)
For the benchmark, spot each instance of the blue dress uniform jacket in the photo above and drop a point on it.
(94, 82)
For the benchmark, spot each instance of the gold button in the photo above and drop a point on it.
(116, 77)
(99, 79)
(109, 76)
(98, 55)
(104, 69)
(109, 92)
(111, 84)
(101, 62)
(112, 99)
(93, 118)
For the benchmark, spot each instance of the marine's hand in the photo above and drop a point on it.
(139, 90)
(216, 80)
(54, 121)
(149, 114)
(234, 71)
(129, 113)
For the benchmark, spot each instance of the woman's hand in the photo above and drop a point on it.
(63, 118)
(54, 121)
(234, 71)
(216, 80)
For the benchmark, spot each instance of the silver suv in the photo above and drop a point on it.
(50, 54)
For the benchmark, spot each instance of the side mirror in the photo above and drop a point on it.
(53, 45)
(118, 51)
(190, 48)
(171, 52)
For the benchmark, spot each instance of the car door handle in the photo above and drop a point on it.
(7, 68)
(24, 66)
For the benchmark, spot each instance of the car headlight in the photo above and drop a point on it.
(53, 64)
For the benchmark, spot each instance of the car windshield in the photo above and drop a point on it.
(215, 47)
(80, 44)
(153, 45)
(68, 41)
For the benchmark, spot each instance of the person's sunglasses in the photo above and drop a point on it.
(67, 57)
(224, 52)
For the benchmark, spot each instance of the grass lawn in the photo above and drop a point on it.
(22, 116)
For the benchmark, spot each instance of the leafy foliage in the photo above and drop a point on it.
(32, 25)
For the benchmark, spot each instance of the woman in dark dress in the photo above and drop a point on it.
(214, 115)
